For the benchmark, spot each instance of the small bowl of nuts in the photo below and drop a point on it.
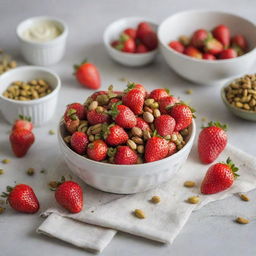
(239, 95)
(29, 91)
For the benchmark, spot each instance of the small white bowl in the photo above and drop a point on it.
(206, 71)
(113, 31)
(124, 179)
(42, 53)
(40, 110)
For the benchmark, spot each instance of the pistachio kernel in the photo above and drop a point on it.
(139, 214)
(155, 199)
(30, 171)
(193, 200)
(242, 220)
(6, 161)
(244, 197)
(189, 184)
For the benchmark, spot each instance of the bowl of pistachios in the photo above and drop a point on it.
(239, 96)
(29, 91)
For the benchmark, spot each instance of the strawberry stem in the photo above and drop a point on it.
(232, 166)
(217, 124)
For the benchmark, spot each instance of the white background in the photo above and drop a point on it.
(210, 231)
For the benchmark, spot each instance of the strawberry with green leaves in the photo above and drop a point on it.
(79, 142)
(134, 99)
(158, 94)
(166, 103)
(199, 37)
(97, 150)
(213, 46)
(114, 135)
(140, 87)
(222, 34)
(219, 177)
(125, 155)
(23, 123)
(97, 117)
(75, 109)
(212, 141)
(165, 125)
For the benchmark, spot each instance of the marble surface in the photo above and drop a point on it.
(211, 230)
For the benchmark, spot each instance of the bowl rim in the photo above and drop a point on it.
(224, 99)
(35, 101)
(150, 164)
(63, 35)
(131, 18)
(215, 62)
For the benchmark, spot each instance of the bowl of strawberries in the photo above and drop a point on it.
(127, 141)
(131, 41)
(207, 47)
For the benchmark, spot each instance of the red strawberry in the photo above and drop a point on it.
(222, 34)
(172, 148)
(212, 141)
(156, 149)
(127, 44)
(70, 196)
(141, 48)
(123, 115)
(177, 46)
(88, 75)
(228, 54)
(22, 198)
(182, 114)
(21, 140)
(77, 109)
(158, 94)
(23, 123)
(149, 39)
(125, 155)
(95, 117)
(193, 52)
(115, 43)
(97, 150)
(115, 135)
(142, 124)
(95, 94)
(167, 102)
(140, 87)
(143, 28)
(134, 99)
(79, 142)
(72, 125)
(131, 32)
(199, 38)
(208, 56)
(213, 46)
(164, 125)
(240, 41)
(219, 177)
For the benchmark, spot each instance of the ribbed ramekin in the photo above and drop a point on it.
(124, 179)
(40, 110)
(42, 53)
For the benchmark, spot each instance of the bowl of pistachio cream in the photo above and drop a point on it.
(42, 40)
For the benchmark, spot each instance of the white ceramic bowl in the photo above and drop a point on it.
(206, 71)
(112, 33)
(40, 110)
(42, 53)
(124, 179)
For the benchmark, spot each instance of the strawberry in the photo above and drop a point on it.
(79, 142)
(177, 46)
(69, 195)
(208, 56)
(182, 114)
(199, 37)
(22, 198)
(158, 94)
(166, 103)
(131, 32)
(156, 149)
(21, 140)
(149, 39)
(212, 141)
(140, 87)
(97, 150)
(123, 115)
(77, 109)
(141, 48)
(213, 46)
(115, 43)
(115, 135)
(239, 41)
(125, 155)
(134, 99)
(95, 94)
(127, 44)
(72, 125)
(142, 124)
(172, 148)
(142, 29)
(222, 34)
(23, 123)
(88, 75)
(193, 52)
(219, 177)
(95, 117)
(164, 125)
(228, 54)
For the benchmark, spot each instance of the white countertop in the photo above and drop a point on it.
(210, 231)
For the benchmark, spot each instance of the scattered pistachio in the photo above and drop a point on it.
(53, 184)
(155, 199)
(43, 171)
(30, 171)
(1, 171)
(244, 197)
(139, 214)
(148, 117)
(204, 119)
(189, 91)
(189, 184)
(6, 161)
(193, 200)
(136, 131)
(140, 149)
(132, 144)
(67, 139)
(2, 209)
(242, 220)
(51, 132)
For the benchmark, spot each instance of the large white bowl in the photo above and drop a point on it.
(124, 179)
(113, 31)
(205, 71)
(40, 110)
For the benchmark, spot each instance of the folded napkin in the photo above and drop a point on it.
(95, 226)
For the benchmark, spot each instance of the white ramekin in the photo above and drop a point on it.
(42, 53)
(40, 110)
(124, 179)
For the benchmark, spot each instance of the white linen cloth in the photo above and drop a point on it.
(96, 225)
